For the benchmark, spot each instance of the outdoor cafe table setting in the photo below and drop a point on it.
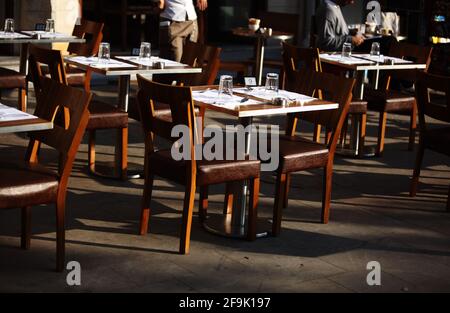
(245, 104)
(360, 64)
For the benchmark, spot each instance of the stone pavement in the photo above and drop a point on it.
(372, 219)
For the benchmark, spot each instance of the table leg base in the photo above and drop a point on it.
(368, 152)
(107, 170)
(222, 225)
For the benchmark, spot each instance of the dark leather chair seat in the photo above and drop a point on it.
(25, 184)
(297, 154)
(438, 139)
(11, 79)
(389, 100)
(358, 107)
(105, 116)
(162, 110)
(208, 172)
(75, 76)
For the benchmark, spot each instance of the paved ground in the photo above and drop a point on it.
(372, 219)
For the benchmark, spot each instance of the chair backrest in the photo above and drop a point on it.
(54, 62)
(284, 22)
(295, 58)
(65, 139)
(92, 32)
(195, 55)
(331, 88)
(411, 52)
(433, 98)
(181, 106)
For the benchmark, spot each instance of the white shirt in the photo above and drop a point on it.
(179, 10)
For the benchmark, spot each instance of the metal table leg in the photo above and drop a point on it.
(260, 49)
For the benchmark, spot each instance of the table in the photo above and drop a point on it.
(13, 120)
(131, 66)
(24, 40)
(260, 45)
(360, 64)
(124, 67)
(245, 112)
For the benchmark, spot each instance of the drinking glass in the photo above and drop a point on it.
(375, 50)
(226, 85)
(347, 50)
(104, 52)
(50, 25)
(272, 82)
(9, 26)
(145, 51)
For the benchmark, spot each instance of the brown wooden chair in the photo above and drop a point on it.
(435, 107)
(27, 183)
(387, 100)
(195, 55)
(10, 79)
(92, 32)
(299, 154)
(190, 173)
(102, 115)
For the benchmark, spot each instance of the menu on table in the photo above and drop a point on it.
(8, 114)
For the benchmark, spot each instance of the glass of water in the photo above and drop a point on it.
(347, 50)
(104, 52)
(145, 51)
(9, 26)
(272, 82)
(375, 51)
(226, 85)
(50, 25)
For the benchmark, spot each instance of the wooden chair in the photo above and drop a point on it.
(435, 107)
(190, 173)
(387, 100)
(299, 154)
(24, 184)
(93, 33)
(195, 55)
(102, 115)
(10, 79)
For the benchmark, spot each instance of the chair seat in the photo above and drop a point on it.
(162, 110)
(104, 116)
(75, 76)
(11, 79)
(26, 184)
(438, 139)
(358, 107)
(389, 100)
(208, 172)
(298, 154)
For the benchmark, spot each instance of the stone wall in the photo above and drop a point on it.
(64, 12)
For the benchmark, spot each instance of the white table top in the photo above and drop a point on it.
(13, 120)
(23, 38)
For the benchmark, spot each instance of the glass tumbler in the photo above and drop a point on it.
(50, 26)
(272, 82)
(104, 53)
(145, 51)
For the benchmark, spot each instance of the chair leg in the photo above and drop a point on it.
(22, 99)
(145, 202)
(280, 187)
(91, 151)
(317, 130)
(253, 209)
(286, 191)
(203, 203)
(26, 228)
(230, 191)
(416, 173)
(122, 153)
(344, 132)
(362, 135)
(381, 133)
(60, 236)
(186, 224)
(412, 128)
(326, 195)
